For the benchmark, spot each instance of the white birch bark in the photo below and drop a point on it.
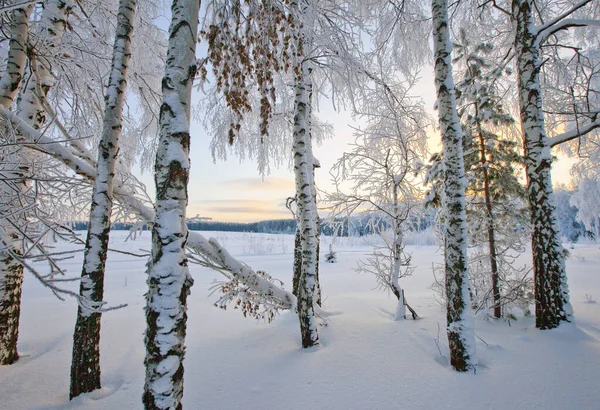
(169, 280)
(85, 364)
(461, 336)
(398, 236)
(551, 290)
(17, 55)
(11, 271)
(52, 24)
(303, 170)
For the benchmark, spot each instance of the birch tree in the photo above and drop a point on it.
(85, 364)
(238, 65)
(11, 272)
(319, 43)
(551, 289)
(304, 174)
(384, 168)
(169, 280)
(53, 73)
(461, 337)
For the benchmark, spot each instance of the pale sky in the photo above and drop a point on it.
(235, 192)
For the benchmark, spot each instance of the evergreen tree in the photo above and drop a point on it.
(494, 197)
(494, 193)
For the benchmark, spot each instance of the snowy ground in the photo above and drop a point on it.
(366, 361)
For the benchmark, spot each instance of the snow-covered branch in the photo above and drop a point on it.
(550, 24)
(573, 134)
(11, 7)
(213, 253)
(565, 25)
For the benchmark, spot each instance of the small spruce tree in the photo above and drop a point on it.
(496, 217)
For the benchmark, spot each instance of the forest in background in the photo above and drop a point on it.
(571, 226)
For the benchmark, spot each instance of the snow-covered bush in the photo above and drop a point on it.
(331, 256)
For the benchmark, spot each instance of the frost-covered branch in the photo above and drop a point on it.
(196, 242)
(553, 22)
(573, 134)
(85, 303)
(565, 25)
(14, 6)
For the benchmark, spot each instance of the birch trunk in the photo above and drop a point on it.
(169, 280)
(53, 23)
(85, 362)
(318, 296)
(297, 268)
(11, 271)
(17, 55)
(396, 289)
(461, 337)
(303, 170)
(551, 290)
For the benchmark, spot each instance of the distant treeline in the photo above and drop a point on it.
(365, 224)
(341, 227)
(271, 226)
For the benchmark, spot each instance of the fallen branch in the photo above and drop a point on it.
(209, 251)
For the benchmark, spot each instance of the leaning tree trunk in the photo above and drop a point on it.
(303, 170)
(551, 290)
(11, 271)
(197, 244)
(461, 337)
(85, 362)
(169, 279)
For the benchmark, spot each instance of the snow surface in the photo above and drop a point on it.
(366, 359)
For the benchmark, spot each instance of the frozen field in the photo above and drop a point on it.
(366, 361)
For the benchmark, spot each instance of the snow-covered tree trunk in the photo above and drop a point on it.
(11, 271)
(297, 268)
(461, 336)
(303, 170)
(17, 55)
(169, 280)
(318, 296)
(551, 291)
(398, 237)
(85, 362)
(53, 23)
